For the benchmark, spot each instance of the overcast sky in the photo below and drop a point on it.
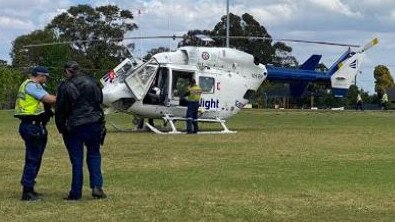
(344, 21)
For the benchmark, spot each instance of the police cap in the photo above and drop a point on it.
(40, 70)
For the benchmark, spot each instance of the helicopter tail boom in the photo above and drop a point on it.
(340, 76)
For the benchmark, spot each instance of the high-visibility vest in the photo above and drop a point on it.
(26, 104)
(194, 93)
(359, 98)
(385, 98)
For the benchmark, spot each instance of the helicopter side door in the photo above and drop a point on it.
(158, 91)
(141, 78)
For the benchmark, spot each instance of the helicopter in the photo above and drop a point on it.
(154, 89)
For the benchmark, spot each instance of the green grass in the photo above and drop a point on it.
(280, 166)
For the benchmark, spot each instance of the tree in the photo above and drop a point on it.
(102, 29)
(154, 51)
(282, 56)
(28, 57)
(247, 26)
(51, 56)
(96, 33)
(3, 63)
(321, 67)
(191, 39)
(383, 78)
(352, 95)
(10, 80)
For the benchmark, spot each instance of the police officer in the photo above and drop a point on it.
(194, 92)
(29, 108)
(80, 119)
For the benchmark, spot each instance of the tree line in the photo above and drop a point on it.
(96, 35)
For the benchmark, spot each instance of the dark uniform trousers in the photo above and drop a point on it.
(35, 136)
(192, 116)
(88, 135)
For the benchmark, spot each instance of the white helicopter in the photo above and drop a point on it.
(154, 89)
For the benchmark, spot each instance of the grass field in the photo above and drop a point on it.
(280, 166)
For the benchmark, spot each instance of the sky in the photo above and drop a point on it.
(342, 21)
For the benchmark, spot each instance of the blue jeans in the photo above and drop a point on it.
(192, 116)
(35, 137)
(88, 135)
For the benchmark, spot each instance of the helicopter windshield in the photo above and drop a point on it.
(141, 78)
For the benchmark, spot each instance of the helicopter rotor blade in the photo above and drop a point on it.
(200, 37)
(102, 40)
(290, 40)
(370, 44)
(318, 42)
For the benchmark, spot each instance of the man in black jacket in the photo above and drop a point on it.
(80, 119)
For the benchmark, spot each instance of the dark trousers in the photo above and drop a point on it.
(384, 106)
(35, 137)
(192, 116)
(359, 105)
(88, 135)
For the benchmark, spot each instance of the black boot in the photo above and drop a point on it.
(98, 193)
(28, 194)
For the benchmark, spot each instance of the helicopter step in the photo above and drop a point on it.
(171, 119)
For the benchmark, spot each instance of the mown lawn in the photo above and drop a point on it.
(280, 166)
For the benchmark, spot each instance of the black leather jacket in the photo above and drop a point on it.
(78, 102)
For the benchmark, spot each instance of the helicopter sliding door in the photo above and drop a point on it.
(141, 79)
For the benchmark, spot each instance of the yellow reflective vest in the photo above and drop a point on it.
(194, 93)
(384, 99)
(26, 104)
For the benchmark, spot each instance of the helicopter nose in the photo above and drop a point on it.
(108, 96)
(106, 99)
(113, 93)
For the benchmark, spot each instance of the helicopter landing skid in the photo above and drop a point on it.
(174, 130)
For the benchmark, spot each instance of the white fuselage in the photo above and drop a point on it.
(225, 75)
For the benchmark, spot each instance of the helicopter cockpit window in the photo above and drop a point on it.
(206, 84)
(126, 69)
(140, 79)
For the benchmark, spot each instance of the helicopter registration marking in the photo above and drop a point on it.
(257, 75)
